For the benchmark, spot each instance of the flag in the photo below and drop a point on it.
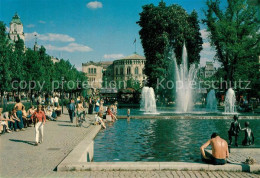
(134, 41)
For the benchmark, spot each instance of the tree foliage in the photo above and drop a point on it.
(20, 64)
(234, 32)
(5, 58)
(163, 28)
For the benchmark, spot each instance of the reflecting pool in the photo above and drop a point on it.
(161, 139)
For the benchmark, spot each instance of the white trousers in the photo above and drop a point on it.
(39, 132)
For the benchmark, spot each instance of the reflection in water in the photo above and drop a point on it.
(160, 139)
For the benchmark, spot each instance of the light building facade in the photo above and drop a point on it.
(101, 74)
(208, 71)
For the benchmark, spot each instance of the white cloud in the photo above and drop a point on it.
(41, 21)
(113, 56)
(72, 47)
(94, 5)
(204, 34)
(30, 26)
(79, 68)
(49, 37)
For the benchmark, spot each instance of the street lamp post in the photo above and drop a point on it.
(62, 79)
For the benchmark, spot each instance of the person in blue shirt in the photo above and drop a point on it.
(71, 109)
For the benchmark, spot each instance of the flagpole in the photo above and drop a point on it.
(135, 47)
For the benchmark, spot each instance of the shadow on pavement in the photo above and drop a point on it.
(23, 141)
(65, 125)
(62, 121)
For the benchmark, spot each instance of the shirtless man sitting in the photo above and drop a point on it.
(219, 150)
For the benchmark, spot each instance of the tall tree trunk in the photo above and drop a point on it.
(2, 98)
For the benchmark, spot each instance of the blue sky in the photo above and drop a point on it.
(85, 30)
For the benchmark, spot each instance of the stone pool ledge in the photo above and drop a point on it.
(155, 166)
(187, 117)
(83, 152)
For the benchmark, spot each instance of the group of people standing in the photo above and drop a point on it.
(81, 107)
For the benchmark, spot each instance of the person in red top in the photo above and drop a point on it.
(109, 112)
(39, 119)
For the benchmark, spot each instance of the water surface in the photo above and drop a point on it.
(161, 139)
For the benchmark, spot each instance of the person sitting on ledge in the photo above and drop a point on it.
(249, 136)
(219, 151)
(234, 130)
(98, 119)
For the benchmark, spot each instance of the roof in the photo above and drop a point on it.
(133, 56)
(105, 64)
(102, 64)
(16, 19)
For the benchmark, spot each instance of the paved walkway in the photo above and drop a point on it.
(19, 158)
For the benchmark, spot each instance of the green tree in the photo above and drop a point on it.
(17, 67)
(194, 40)
(234, 32)
(5, 55)
(163, 28)
(132, 83)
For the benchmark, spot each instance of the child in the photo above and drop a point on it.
(249, 136)
(128, 114)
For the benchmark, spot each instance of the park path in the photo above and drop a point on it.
(19, 158)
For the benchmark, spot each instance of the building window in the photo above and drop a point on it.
(136, 70)
(128, 70)
(95, 70)
(121, 71)
(89, 70)
(92, 70)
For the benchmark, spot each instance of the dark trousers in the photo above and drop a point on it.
(212, 160)
(12, 125)
(20, 116)
(26, 122)
(71, 114)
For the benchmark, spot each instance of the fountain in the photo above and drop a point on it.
(184, 80)
(211, 101)
(148, 103)
(230, 101)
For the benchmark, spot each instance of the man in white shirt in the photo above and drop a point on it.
(56, 101)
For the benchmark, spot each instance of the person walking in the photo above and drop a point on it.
(80, 113)
(71, 109)
(90, 106)
(39, 119)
